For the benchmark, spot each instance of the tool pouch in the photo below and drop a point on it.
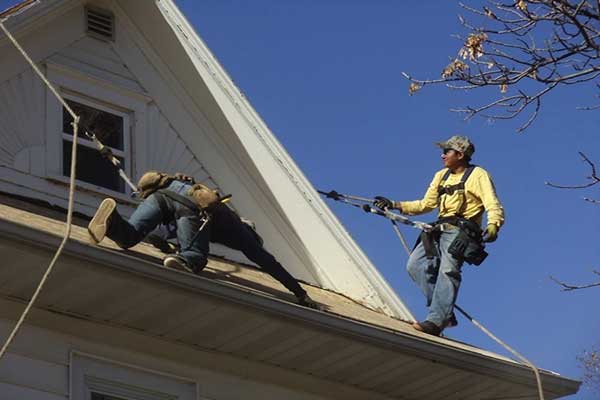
(203, 195)
(469, 247)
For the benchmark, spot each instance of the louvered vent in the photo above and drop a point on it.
(100, 23)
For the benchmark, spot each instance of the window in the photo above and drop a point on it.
(111, 128)
(98, 396)
(95, 378)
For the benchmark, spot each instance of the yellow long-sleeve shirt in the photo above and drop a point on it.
(479, 195)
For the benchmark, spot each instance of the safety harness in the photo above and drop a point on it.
(468, 244)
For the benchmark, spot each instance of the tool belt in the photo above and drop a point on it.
(468, 245)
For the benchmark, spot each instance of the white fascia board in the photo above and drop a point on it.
(338, 259)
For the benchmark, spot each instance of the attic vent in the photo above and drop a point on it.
(100, 23)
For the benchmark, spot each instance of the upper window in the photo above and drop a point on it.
(110, 127)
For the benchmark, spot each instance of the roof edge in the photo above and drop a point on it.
(390, 301)
(17, 9)
(399, 341)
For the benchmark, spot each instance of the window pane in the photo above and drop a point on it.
(98, 396)
(92, 167)
(107, 127)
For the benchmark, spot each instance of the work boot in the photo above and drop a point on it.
(177, 262)
(427, 327)
(98, 226)
(161, 244)
(451, 322)
(306, 301)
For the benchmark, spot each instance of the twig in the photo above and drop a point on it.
(568, 287)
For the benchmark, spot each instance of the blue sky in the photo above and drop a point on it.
(326, 78)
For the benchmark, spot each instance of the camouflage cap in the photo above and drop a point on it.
(458, 143)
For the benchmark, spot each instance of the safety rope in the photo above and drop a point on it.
(67, 234)
(71, 192)
(352, 200)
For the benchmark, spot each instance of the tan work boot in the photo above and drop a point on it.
(98, 226)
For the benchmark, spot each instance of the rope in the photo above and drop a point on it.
(507, 347)
(88, 132)
(67, 234)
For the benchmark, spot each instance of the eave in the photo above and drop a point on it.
(345, 344)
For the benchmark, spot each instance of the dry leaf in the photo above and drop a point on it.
(503, 88)
(521, 5)
(413, 88)
(453, 67)
(473, 48)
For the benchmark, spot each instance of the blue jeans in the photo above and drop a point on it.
(149, 214)
(438, 278)
(226, 227)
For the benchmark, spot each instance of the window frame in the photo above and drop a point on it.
(124, 154)
(102, 94)
(94, 374)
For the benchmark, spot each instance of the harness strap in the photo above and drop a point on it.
(180, 199)
(458, 186)
(428, 240)
(162, 204)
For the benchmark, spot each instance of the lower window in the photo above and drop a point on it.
(98, 396)
(98, 379)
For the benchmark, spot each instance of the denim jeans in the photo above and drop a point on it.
(226, 227)
(149, 215)
(438, 278)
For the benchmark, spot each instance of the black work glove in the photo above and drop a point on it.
(383, 202)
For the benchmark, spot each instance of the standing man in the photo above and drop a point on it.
(197, 216)
(462, 192)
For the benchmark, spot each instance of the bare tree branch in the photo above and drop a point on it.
(527, 48)
(593, 177)
(568, 287)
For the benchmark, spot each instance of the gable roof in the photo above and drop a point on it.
(346, 317)
(253, 165)
(324, 245)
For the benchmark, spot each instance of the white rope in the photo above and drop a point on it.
(71, 193)
(507, 347)
(484, 329)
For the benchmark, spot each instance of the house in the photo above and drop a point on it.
(115, 325)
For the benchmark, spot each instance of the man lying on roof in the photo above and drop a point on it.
(177, 201)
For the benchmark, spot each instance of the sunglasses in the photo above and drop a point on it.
(445, 151)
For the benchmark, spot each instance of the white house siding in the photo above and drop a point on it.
(120, 74)
(37, 367)
(30, 150)
(181, 121)
(22, 123)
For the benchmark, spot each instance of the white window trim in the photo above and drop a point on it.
(126, 153)
(91, 373)
(103, 95)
